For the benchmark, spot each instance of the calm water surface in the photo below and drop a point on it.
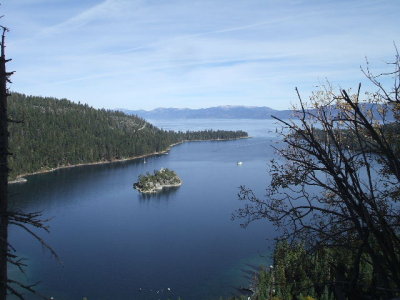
(114, 243)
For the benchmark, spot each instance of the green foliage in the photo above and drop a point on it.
(296, 273)
(57, 133)
(301, 274)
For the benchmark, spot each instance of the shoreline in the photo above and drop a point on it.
(21, 178)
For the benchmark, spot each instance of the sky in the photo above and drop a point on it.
(144, 54)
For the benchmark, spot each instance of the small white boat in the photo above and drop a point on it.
(239, 163)
(144, 160)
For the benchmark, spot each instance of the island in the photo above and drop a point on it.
(153, 183)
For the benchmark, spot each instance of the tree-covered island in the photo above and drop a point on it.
(153, 183)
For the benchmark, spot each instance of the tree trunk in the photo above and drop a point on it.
(3, 172)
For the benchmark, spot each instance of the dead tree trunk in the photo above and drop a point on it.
(3, 170)
(7, 217)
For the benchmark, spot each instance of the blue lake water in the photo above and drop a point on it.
(115, 243)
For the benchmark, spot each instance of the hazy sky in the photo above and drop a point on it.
(143, 54)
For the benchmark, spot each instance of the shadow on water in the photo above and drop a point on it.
(255, 268)
(251, 277)
(165, 194)
(248, 273)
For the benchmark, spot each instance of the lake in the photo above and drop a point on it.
(115, 243)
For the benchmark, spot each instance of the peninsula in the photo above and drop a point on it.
(73, 134)
(153, 183)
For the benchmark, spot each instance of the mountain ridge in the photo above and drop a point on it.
(216, 112)
(232, 112)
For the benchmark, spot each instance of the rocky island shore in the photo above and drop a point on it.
(156, 182)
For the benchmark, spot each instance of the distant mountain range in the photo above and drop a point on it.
(219, 112)
(227, 112)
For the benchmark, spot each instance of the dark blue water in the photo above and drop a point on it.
(117, 244)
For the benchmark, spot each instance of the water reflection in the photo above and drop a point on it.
(164, 195)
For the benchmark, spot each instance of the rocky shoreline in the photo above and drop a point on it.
(18, 180)
(158, 188)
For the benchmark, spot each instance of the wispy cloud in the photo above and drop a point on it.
(146, 54)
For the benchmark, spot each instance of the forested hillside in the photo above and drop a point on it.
(55, 133)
